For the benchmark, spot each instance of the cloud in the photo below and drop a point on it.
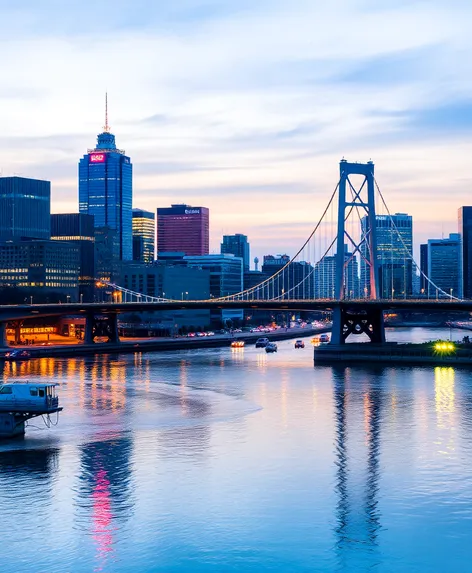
(244, 106)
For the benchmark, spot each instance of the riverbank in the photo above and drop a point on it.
(394, 353)
(165, 344)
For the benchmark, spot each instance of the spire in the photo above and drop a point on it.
(106, 127)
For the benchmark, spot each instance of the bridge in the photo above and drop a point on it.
(323, 275)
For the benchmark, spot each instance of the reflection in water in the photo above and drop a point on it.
(28, 464)
(358, 417)
(444, 396)
(105, 491)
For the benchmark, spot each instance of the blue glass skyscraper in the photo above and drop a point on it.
(106, 189)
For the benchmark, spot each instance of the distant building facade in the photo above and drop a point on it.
(395, 267)
(238, 246)
(78, 229)
(25, 207)
(144, 230)
(465, 234)
(106, 190)
(444, 258)
(39, 271)
(173, 282)
(226, 278)
(325, 277)
(183, 228)
(296, 282)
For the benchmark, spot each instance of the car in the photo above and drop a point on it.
(237, 330)
(210, 333)
(237, 344)
(191, 334)
(262, 342)
(271, 347)
(299, 344)
(17, 354)
(201, 334)
(324, 337)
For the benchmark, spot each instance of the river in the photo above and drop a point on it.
(234, 460)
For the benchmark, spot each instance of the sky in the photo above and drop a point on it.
(245, 106)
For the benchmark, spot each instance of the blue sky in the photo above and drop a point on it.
(245, 106)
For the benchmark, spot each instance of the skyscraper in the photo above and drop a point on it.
(465, 233)
(25, 208)
(238, 246)
(106, 189)
(182, 228)
(394, 248)
(295, 282)
(144, 230)
(443, 266)
(78, 229)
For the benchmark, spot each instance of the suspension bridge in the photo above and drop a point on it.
(340, 267)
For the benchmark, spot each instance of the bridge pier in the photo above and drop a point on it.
(88, 331)
(367, 320)
(3, 335)
(99, 326)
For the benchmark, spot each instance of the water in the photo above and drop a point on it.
(227, 460)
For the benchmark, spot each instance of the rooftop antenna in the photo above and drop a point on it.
(106, 127)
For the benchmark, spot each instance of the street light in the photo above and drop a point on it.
(68, 298)
(81, 298)
(31, 299)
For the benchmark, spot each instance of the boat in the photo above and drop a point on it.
(237, 344)
(21, 401)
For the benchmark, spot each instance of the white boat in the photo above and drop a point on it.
(20, 401)
(23, 397)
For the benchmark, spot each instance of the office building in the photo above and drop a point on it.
(144, 230)
(325, 277)
(238, 246)
(39, 271)
(465, 234)
(106, 189)
(423, 269)
(174, 282)
(226, 278)
(25, 207)
(394, 249)
(183, 228)
(78, 229)
(443, 266)
(296, 281)
(107, 255)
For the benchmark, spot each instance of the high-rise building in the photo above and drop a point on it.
(394, 249)
(25, 207)
(325, 276)
(443, 266)
(465, 233)
(78, 229)
(238, 246)
(295, 282)
(183, 228)
(144, 230)
(106, 189)
(423, 269)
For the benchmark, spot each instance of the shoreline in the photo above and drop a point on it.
(162, 344)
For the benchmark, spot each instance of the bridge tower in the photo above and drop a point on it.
(368, 320)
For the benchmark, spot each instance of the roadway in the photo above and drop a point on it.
(25, 311)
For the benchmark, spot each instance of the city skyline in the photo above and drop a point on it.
(260, 128)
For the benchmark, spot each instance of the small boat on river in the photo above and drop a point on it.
(21, 401)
